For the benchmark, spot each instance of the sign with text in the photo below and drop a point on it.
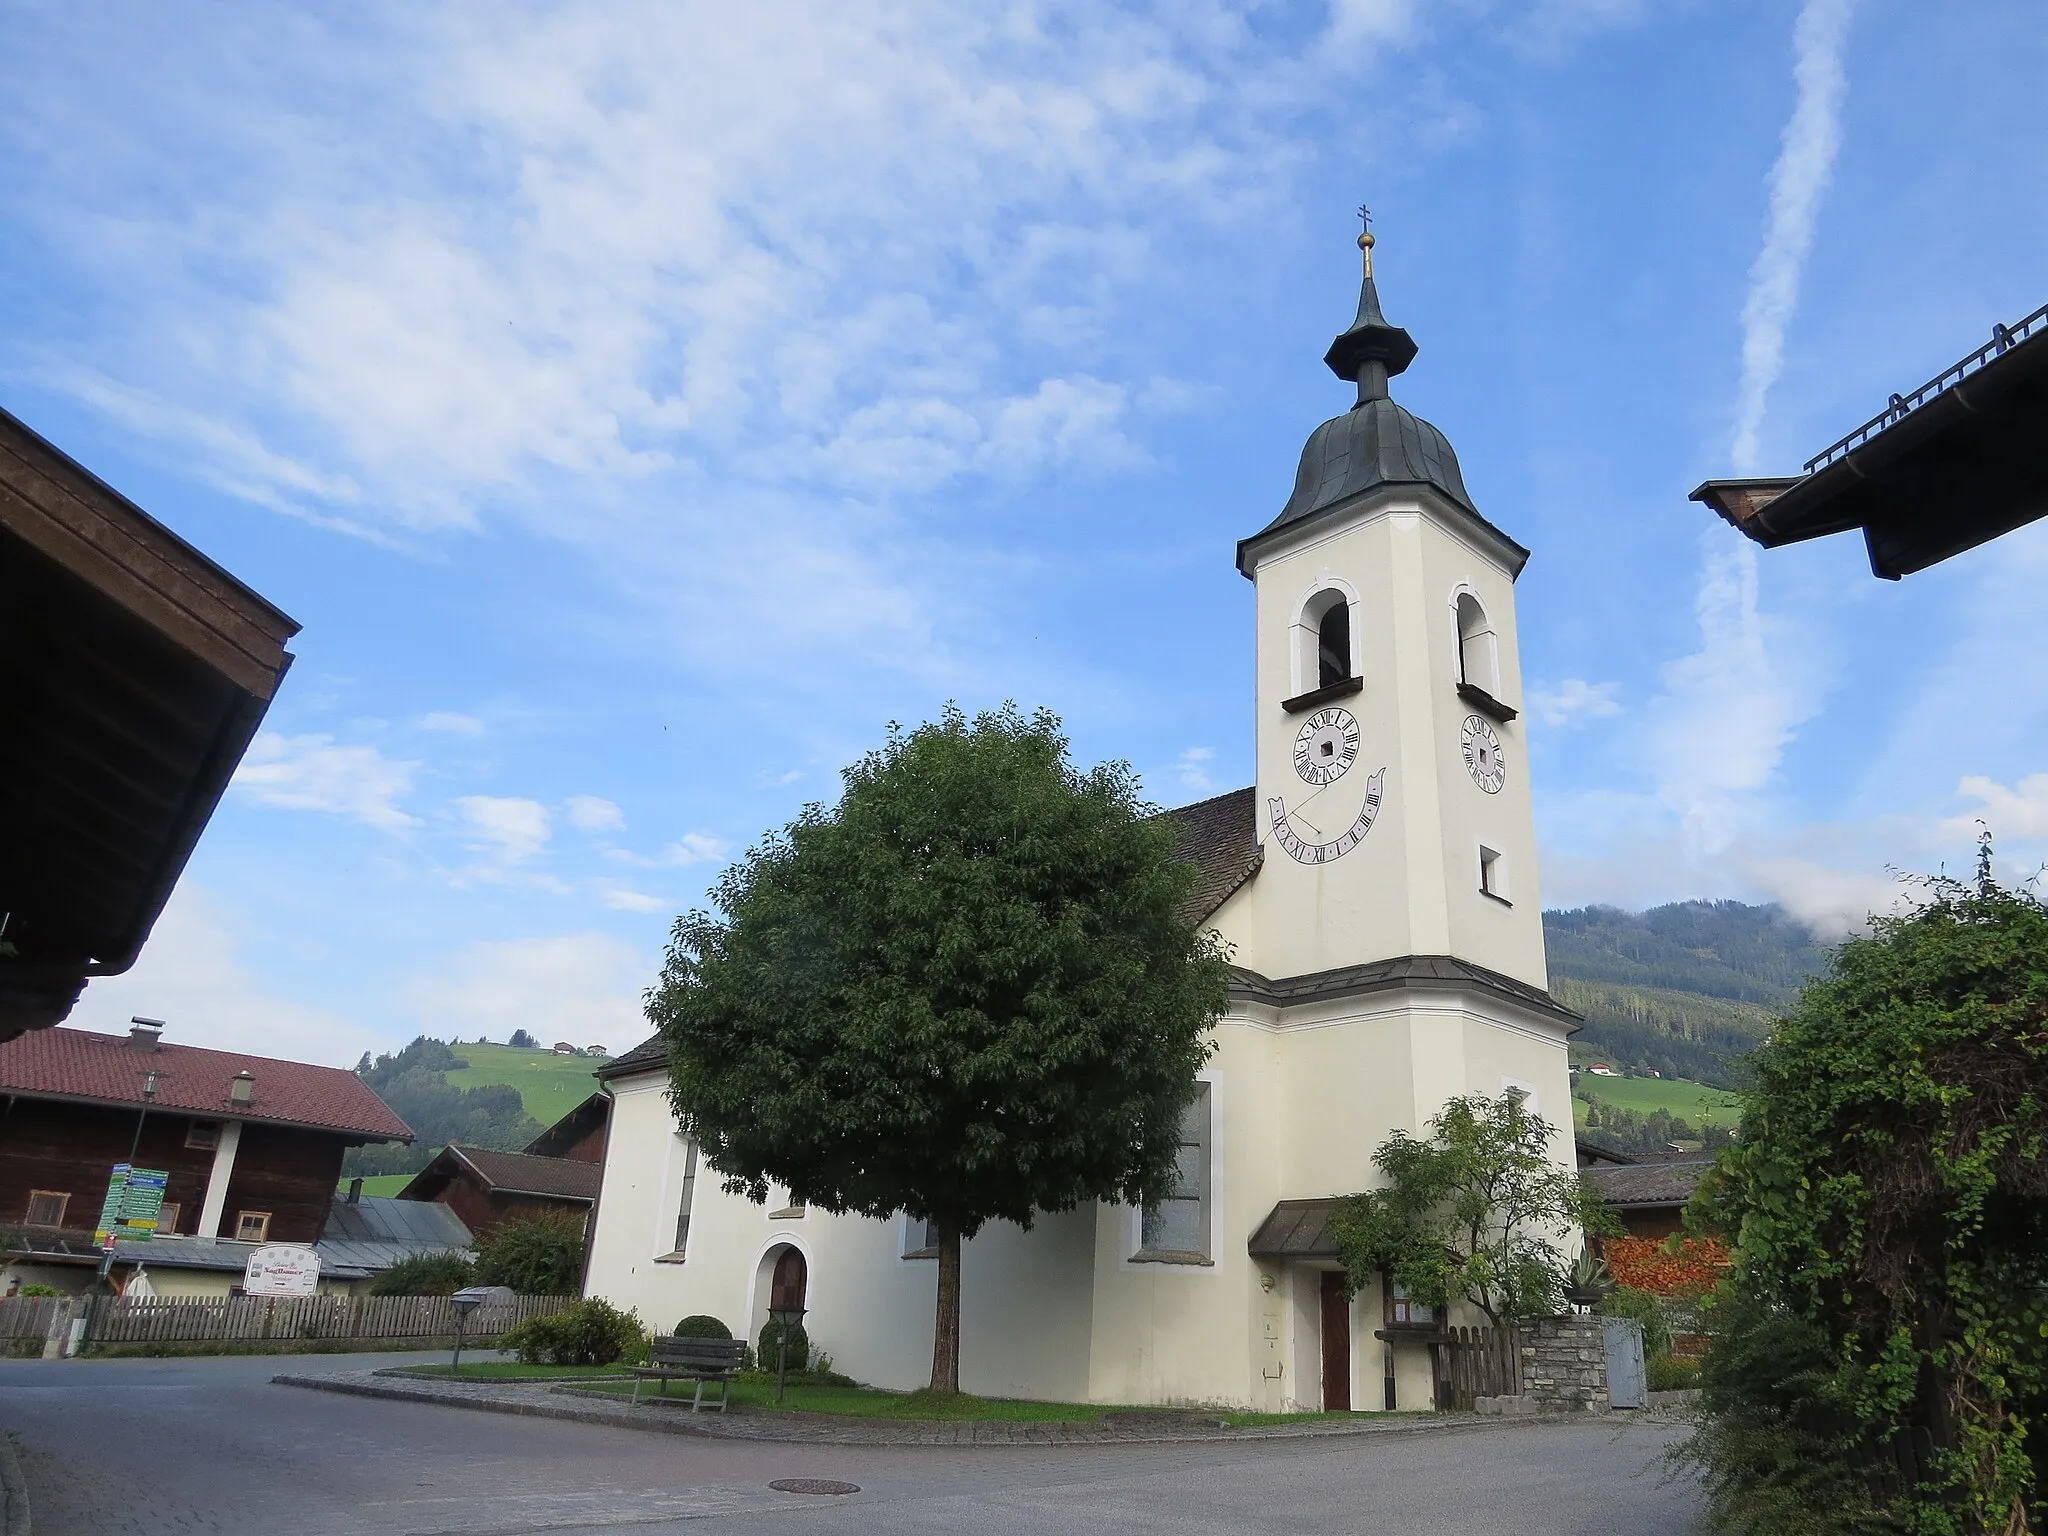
(135, 1197)
(282, 1269)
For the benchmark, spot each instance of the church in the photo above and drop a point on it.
(1378, 887)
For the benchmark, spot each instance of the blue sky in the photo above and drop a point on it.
(642, 404)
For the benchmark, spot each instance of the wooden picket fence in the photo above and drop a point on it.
(160, 1319)
(1478, 1362)
(28, 1317)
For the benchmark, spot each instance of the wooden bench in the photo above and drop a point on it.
(700, 1360)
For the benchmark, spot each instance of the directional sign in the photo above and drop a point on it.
(135, 1196)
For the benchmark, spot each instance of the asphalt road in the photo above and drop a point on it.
(208, 1445)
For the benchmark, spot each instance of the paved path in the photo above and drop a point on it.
(162, 1446)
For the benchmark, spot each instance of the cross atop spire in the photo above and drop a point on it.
(1372, 351)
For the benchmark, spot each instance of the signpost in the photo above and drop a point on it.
(135, 1197)
(282, 1269)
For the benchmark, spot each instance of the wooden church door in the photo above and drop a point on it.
(1336, 1343)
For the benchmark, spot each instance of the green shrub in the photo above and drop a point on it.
(536, 1256)
(700, 1325)
(769, 1352)
(425, 1274)
(1646, 1308)
(591, 1332)
(1671, 1373)
(39, 1290)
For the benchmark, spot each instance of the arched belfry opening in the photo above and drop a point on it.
(1323, 638)
(1333, 645)
(1478, 651)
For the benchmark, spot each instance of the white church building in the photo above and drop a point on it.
(1378, 887)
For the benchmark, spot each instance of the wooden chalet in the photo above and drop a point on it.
(252, 1145)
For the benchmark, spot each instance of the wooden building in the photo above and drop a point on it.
(486, 1188)
(252, 1145)
(133, 674)
(578, 1135)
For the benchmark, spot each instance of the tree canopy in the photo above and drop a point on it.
(967, 992)
(1475, 1212)
(1888, 1203)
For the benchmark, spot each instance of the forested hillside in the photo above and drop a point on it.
(1683, 989)
(414, 1082)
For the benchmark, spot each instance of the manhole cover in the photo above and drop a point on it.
(812, 1485)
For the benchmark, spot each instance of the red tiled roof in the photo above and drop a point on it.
(89, 1068)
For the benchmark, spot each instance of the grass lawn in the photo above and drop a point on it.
(512, 1370)
(1687, 1101)
(549, 1085)
(758, 1391)
(380, 1183)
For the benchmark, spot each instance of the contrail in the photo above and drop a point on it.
(1805, 162)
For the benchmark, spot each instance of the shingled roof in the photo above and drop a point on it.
(650, 1055)
(1220, 837)
(507, 1173)
(88, 1068)
(1648, 1185)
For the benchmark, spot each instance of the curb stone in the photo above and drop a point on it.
(819, 1429)
(14, 1519)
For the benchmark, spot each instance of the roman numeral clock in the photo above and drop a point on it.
(1325, 748)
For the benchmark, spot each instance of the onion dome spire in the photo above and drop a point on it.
(1372, 351)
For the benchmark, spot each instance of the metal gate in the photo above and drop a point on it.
(1626, 1382)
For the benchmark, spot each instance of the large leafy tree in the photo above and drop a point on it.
(1476, 1211)
(968, 992)
(1888, 1202)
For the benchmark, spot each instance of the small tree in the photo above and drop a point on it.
(967, 992)
(1473, 1213)
(424, 1274)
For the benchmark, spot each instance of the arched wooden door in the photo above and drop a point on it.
(791, 1279)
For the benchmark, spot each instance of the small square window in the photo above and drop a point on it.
(1404, 1313)
(46, 1207)
(252, 1226)
(1493, 874)
(167, 1219)
(920, 1238)
(203, 1135)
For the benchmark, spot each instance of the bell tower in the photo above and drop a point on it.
(1393, 787)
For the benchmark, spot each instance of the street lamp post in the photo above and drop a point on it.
(785, 1318)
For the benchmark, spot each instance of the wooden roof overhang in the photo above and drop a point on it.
(133, 675)
(1952, 465)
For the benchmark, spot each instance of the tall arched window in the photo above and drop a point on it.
(1323, 642)
(1478, 652)
(1333, 645)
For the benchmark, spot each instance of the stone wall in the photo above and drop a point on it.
(1564, 1361)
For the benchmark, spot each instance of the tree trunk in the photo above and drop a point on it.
(946, 1325)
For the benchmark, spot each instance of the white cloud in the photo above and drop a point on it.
(2016, 813)
(591, 813)
(1573, 700)
(1833, 902)
(316, 773)
(1806, 161)
(692, 848)
(582, 987)
(192, 976)
(1193, 769)
(509, 829)
(621, 898)
(1729, 709)
(450, 723)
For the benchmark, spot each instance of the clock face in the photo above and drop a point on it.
(1483, 758)
(1326, 746)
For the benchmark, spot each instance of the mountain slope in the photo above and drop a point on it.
(1684, 989)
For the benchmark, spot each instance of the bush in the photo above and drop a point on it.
(591, 1332)
(701, 1326)
(1645, 1308)
(770, 1351)
(39, 1290)
(536, 1256)
(425, 1274)
(1672, 1373)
